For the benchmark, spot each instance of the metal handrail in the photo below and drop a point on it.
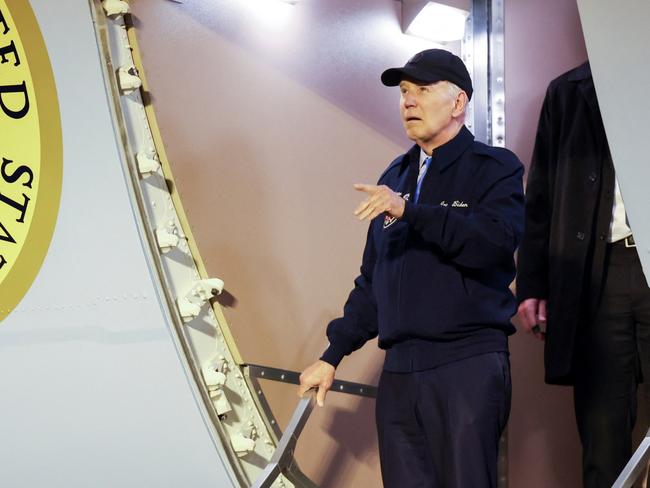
(635, 466)
(282, 458)
(282, 461)
(293, 377)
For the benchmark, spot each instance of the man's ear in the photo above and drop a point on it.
(460, 104)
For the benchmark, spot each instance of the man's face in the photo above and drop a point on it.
(426, 110)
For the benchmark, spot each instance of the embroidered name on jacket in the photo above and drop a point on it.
(455, 203)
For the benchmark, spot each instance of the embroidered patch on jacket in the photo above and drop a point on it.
(388, 220)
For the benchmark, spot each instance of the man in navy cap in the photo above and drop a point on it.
(445, 220)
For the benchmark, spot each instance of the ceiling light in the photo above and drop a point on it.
(435, 21)
(272, 13)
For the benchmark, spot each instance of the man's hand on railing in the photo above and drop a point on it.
(319, 375)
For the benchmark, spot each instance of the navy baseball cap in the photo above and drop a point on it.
(431, 66)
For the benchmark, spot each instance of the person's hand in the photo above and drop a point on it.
(532, 313)
(379, 199)
(321, 375)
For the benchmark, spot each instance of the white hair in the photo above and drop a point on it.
(454, 90)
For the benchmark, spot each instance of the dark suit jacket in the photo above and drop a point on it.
(569, 198)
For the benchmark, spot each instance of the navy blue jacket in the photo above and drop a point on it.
(434, 285)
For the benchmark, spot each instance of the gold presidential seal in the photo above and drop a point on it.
(31, 154)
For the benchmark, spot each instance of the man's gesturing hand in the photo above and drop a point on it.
(379, 200)
(321, 375)
(532, 313)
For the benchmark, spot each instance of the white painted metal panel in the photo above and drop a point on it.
(617, 38)
(93, 390)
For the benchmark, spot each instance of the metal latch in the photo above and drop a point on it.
(189, 306)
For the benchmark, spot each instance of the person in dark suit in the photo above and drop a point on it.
(579, 276)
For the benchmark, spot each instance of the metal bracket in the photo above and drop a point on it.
(115, 7)
(128, 79)
(242, 444)
(167, 237)
(293, 377)
(147, 162)
(215, 381)
(189, 306)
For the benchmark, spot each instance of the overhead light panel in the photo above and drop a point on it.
(272, 13)
(436, 21)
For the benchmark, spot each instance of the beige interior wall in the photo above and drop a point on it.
(268, 121)
(543, 40)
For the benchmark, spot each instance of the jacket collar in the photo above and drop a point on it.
(445, 155)
(582, 72)
(582, 75)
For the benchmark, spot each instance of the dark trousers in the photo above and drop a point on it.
(612, 357)
(441, 427)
